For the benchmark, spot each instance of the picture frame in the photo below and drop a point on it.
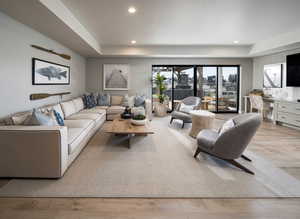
(273, 76)
(49, 73)
(116, 76)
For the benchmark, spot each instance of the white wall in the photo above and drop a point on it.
(258, 66)
(16, 67)
(141, 71)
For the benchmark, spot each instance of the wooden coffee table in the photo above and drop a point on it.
(121, 126)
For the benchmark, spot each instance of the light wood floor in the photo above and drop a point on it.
(281, 145)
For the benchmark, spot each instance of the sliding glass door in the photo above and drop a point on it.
(228, 94)
(216, 85)
(183, 77)
(207, 87)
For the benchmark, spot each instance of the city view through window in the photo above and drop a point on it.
(217, 86)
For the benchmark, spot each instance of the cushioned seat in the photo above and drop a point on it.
(231, 141)
(76, 136)
(115, 110)
(183, 108)
(83, 123)
(209, 140)
(90, 116)
(182, 116)
(94, 110)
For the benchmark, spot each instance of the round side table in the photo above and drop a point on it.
(201, 119)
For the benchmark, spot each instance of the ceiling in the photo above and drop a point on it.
(164, 28)
(186, 22)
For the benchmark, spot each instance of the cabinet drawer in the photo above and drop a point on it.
(289, 118)
(289, 107)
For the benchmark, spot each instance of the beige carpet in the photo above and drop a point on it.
(159, 165)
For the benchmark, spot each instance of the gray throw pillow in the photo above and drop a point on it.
(103, 100)
(38, 118)
(139, 101)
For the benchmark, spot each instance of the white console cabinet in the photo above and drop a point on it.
(287, 112)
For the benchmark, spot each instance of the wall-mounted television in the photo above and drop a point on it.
(293, 70)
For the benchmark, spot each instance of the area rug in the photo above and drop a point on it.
(157, 166)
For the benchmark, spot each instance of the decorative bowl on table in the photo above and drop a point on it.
(138, 120)
(127, 113)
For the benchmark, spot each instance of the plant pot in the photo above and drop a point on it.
(138, 122)
(160, 110)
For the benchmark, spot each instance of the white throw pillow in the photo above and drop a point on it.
(131, 101)
(68, 108)
(186, 108)
(226, 126)
(78, 103)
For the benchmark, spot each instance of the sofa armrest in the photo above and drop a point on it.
(148, 108)
(33, 151)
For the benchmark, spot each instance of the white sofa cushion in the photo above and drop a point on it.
(115, 110)
(76, 136)
(94, 110)
(83, 123)
(78, 104)
(116, 100)
(91, 116)
(68, 108)
(58, 109)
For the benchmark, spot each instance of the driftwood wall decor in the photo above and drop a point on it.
(45, 95)
(52, 52)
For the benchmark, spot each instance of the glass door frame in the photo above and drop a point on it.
(195, 83)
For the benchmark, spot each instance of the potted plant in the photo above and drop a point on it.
(160, 108)
(138, 120)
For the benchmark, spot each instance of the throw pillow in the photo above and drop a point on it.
(58, 118)
(19, 118)
(84, 99)
(103, 100)
(38, 118)
(90, 101)
(139, 101)
(226, 126)
(131, 101)
(116, 100)
(125, 100)
(186, 108)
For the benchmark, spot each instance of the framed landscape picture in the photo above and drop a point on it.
(49, 73)
(115, 77)
(273, 76)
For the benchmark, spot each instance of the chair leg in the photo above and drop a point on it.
(182, 125)
(197, 152)
(246, 158)
(171, 120)
(234, 163)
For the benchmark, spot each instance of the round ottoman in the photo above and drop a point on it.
(201, 119)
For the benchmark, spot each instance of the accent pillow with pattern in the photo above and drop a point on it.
(59, 119)
(103, 100)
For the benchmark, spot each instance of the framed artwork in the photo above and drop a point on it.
(49, 73)
(273, 76)
(115, 77)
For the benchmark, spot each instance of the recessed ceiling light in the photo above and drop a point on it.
(133, 42)
(236, 41)
(131, 10)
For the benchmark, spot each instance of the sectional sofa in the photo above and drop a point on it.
(47, 151)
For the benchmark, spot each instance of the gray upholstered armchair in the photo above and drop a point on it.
(231, 143)
(182, 110)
